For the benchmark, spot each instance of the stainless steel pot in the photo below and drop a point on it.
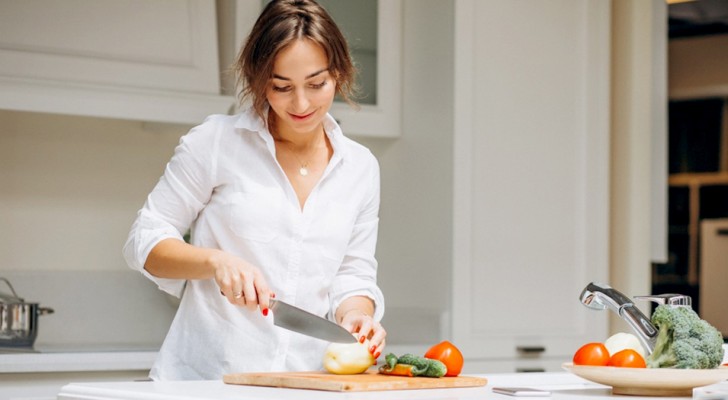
(18, 319)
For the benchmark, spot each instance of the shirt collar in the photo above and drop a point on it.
(336, 136)
(250, 121)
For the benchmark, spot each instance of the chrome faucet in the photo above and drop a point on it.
(599, 296)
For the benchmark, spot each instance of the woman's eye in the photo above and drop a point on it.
(281, 88)
(318, 85)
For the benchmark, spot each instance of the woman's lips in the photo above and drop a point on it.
(296, 117)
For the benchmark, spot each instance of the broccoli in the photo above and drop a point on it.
(684, 340)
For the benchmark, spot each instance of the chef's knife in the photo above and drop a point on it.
(301, 321)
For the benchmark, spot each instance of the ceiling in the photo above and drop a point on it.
(698, 18)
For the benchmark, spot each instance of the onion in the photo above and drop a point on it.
(348, 358)
(622, 341)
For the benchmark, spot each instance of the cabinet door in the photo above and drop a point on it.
(531, 175)
(713, 277)
(159, 44)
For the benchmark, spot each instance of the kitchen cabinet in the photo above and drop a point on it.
(167, 60)
(531, 179)
(136, 59)
(713, 279)
(377, 52)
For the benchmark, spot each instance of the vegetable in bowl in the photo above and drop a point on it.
(684, 340)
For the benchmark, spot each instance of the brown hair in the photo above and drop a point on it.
(281, 23)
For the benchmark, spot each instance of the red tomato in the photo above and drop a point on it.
(627, 358)
(449, 355)
(592, 354)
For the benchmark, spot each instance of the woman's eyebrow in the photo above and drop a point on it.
(276, 76)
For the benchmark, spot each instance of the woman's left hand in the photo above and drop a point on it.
(364, 327)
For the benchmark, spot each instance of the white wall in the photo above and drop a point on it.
(70, 187)
(415, 239)
(69, 191)
(638, 190)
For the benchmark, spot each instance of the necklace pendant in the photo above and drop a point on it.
(303, 171)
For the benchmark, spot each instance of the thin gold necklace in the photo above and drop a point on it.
(303, 169)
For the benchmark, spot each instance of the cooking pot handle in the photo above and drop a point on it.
(11, 289)
(45, 310)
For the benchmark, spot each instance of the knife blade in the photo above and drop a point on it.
(297, 320)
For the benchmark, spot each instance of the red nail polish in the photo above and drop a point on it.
(371, 350)
(377, 355)
(265, 312)
(272, 295)
(362, 339)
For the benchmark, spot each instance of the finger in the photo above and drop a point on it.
(251, 297)
(237, 292)
(264, 296)
(226, 288)
(348, 324)
(365, 327)
(378, 351)
(264, 303)
(352, 322)
(378, 339)
(361, 325)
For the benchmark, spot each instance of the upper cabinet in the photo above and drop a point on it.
(374, 32)
(698, 67)
(138, 59)
(169, 60)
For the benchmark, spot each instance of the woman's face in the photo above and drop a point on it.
(301, 91)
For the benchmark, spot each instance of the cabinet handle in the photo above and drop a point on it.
(531, 349)
(535, 369)
(722, 232)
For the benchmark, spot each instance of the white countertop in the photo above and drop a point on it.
(62, 358)
(88, 358)
(562, 385)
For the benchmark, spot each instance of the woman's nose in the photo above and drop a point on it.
(300, 101)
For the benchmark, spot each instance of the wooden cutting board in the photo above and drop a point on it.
(368, 381)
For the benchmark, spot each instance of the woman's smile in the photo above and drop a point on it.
(301, 117)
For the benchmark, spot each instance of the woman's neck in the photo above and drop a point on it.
(296, 140)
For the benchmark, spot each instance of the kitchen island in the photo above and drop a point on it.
(562, 385)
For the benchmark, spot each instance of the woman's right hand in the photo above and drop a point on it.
(241, 282)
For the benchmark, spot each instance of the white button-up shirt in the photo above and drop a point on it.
(225, 186)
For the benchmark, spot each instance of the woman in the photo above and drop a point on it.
(278, 203)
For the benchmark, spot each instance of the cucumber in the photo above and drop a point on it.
(421, 366)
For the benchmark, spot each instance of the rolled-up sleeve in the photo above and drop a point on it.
(357, 275)
(175, 201)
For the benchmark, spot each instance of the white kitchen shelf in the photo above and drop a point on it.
(81, 361)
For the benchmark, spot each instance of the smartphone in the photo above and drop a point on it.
(521, 391)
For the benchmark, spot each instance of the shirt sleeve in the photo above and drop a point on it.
(357, 275)
(175, 201)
